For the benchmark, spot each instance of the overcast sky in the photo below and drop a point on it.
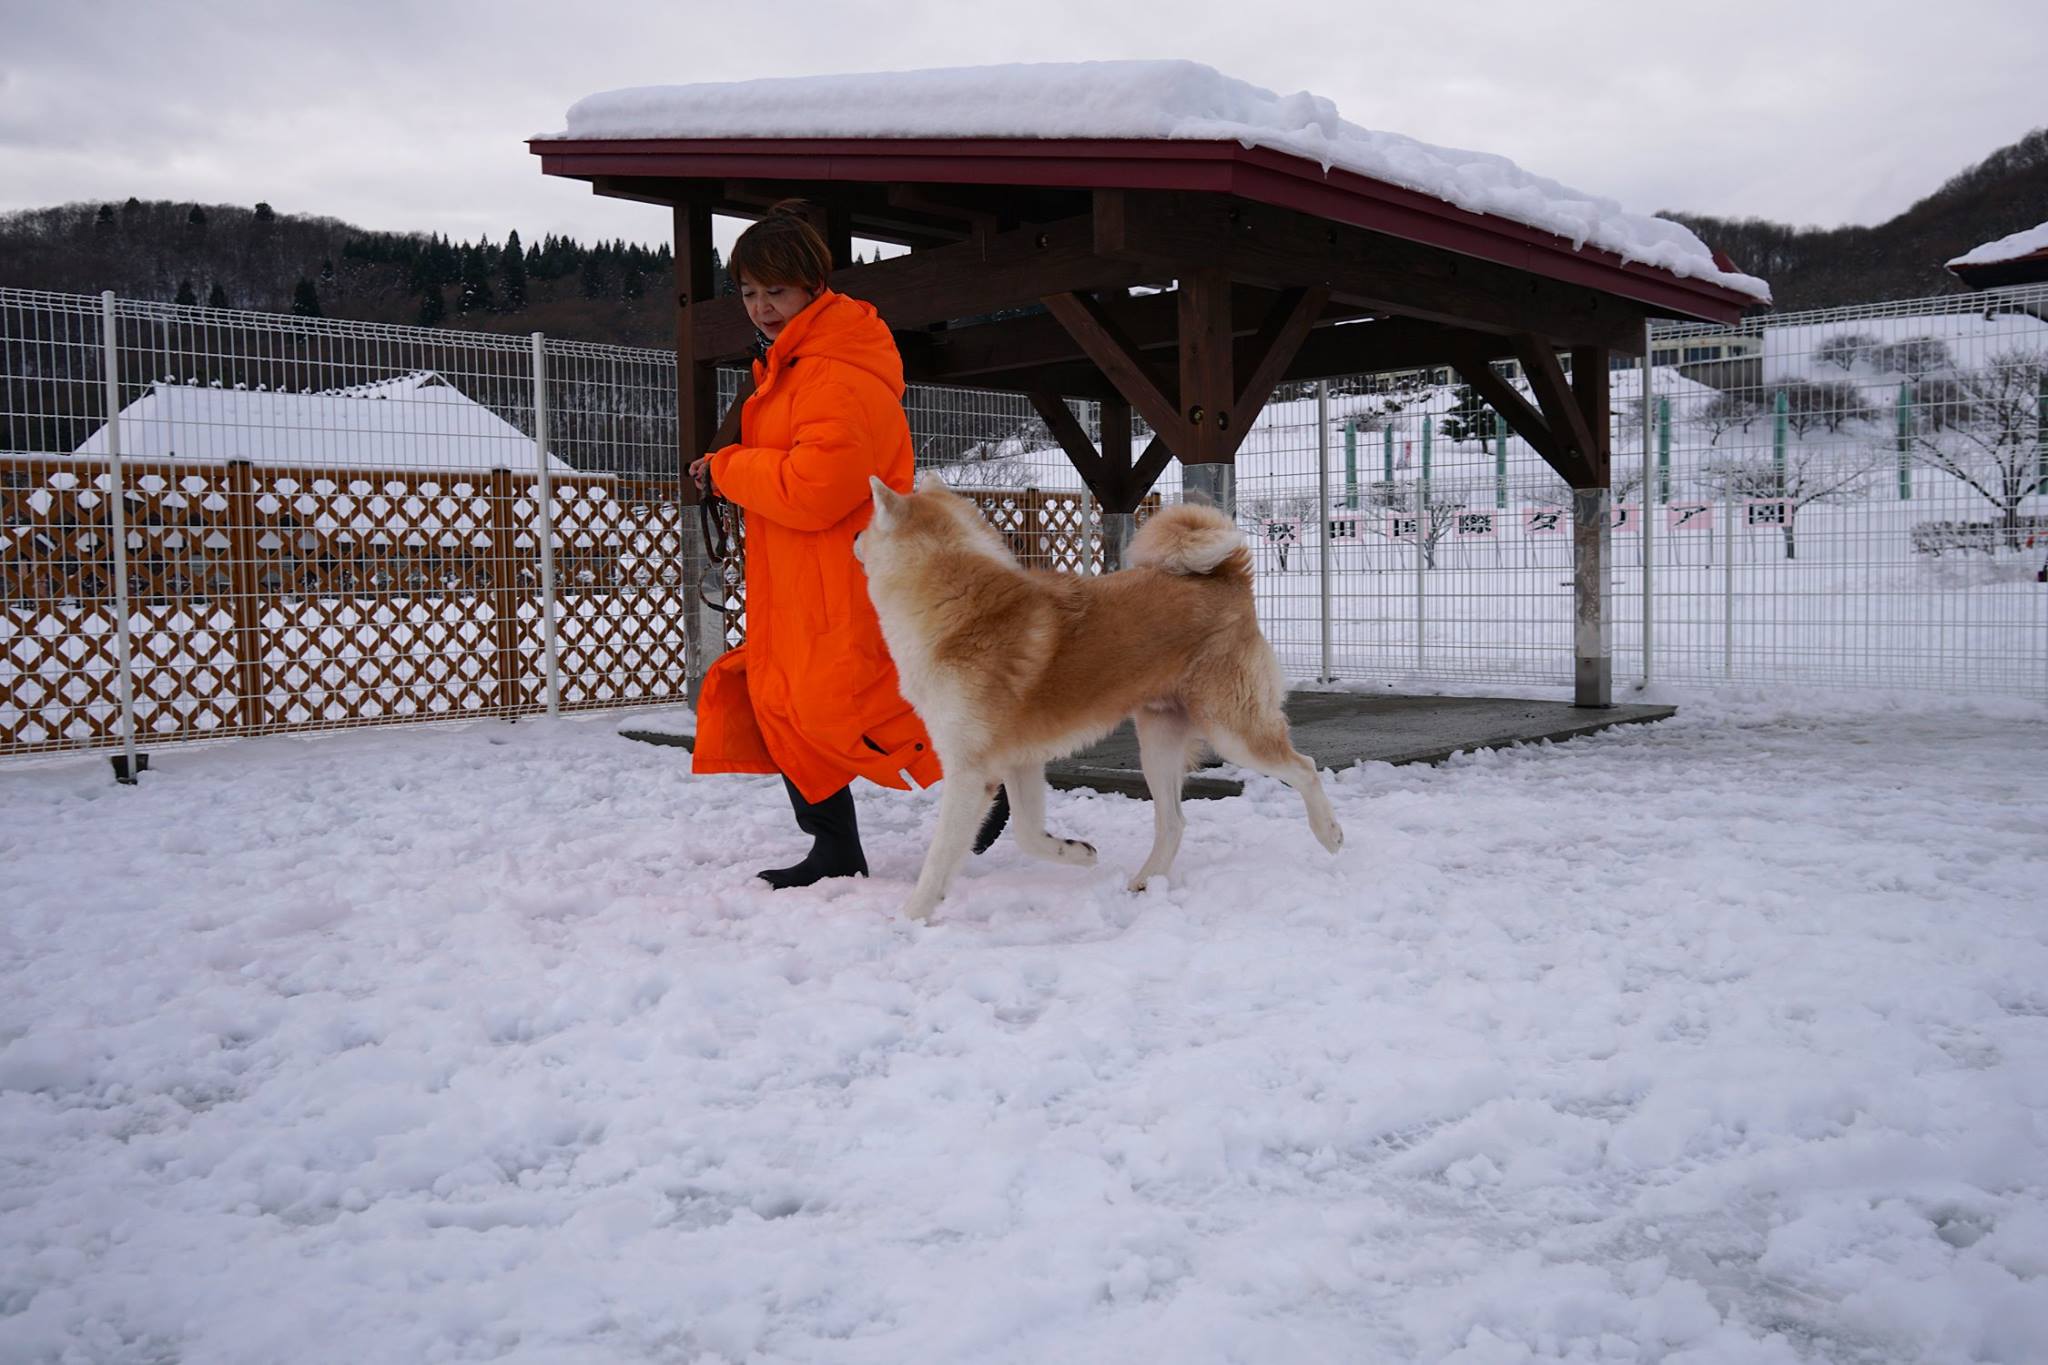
(412, 114)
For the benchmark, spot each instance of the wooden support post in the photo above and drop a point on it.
(1207, 391)
(1118, 524)
(696, 413)
(245, 583)
(506, 594)
(1592, 534)
(838, 230)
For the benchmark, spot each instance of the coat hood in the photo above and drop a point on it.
(845, 329)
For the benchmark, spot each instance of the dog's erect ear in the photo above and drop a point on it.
(887, 500)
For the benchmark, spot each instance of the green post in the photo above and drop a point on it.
(1905, 411)
(2041, 433)
(1779, 408)
(1500, 461)
(1428, 428)
(1351, 463)
(1388, 472)
(1663, 449)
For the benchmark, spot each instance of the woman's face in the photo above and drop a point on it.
(771, 306)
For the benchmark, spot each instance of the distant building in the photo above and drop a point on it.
(418, 421)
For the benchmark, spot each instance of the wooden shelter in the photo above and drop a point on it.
(1179, 280)
(2018, 259)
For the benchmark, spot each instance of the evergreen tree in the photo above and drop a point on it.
(327, 271)
(433, 307)
(1470, 419)
(197, 217)
(265, 213)
(132, 207)
(217, 297)
(305, 299)
(186, 294)
(106, 218)
(514, 258)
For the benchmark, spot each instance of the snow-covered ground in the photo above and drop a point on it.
(1721, 1040)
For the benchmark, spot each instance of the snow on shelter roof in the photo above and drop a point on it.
(415, 421)
(2026, 242)
(1160, 100)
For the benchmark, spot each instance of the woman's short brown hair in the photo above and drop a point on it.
(783, 248)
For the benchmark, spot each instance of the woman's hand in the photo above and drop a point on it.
(700, 471)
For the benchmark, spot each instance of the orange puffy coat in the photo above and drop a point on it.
(812, 693)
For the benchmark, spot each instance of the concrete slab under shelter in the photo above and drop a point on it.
(1338, 729)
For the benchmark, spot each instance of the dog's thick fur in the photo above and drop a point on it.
(1011, 668)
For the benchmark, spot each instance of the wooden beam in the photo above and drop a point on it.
(930, 203)
(1560, 409)
(696, 374)
(967, 279)
(1145, 473)
(1592, 381)
(1208, 389)
(1151, 321)
(1526, 421)
(1258, 243)
(1121, 362)
(1067, 430)
(1287, 324)
(1116, 453)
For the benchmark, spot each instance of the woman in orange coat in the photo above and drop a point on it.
(812, 693)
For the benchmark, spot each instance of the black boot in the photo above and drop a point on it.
(835, 840)
(992, 823)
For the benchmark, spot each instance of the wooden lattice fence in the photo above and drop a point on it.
(267, 599)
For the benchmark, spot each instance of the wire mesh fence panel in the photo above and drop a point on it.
(619, 524)
(1856, 496)
(59, 684)
(329, 523)
(332, 523)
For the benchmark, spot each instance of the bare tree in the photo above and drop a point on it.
(1915, 357)
(990, 469)
(1729, 409)
(1994, 447)
(1844, 349)
(1808, 477)
(1831, 403)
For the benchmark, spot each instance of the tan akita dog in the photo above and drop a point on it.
(1011, 668)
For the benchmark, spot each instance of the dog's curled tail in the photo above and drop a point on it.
(1193, 539)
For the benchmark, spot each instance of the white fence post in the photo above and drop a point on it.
(1728, 585)
(1421, 574)
(117, 521)
(1329, 674)
(1647, 498)
(549, 645)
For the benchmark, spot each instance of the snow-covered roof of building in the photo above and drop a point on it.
(1166, 100)
(415, 421)
(2026, 242)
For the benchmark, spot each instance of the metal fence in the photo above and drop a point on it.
(314, 523)
(216, 523)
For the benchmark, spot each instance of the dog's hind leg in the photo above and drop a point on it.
(1163, 738)
(1259, 741)
(964, 799)
(1026, 784)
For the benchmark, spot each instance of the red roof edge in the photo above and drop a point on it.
(1257, 173)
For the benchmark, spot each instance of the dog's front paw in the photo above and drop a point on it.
(1076, 851)
(1331, 838)
(919, 910)
(1141, 881)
